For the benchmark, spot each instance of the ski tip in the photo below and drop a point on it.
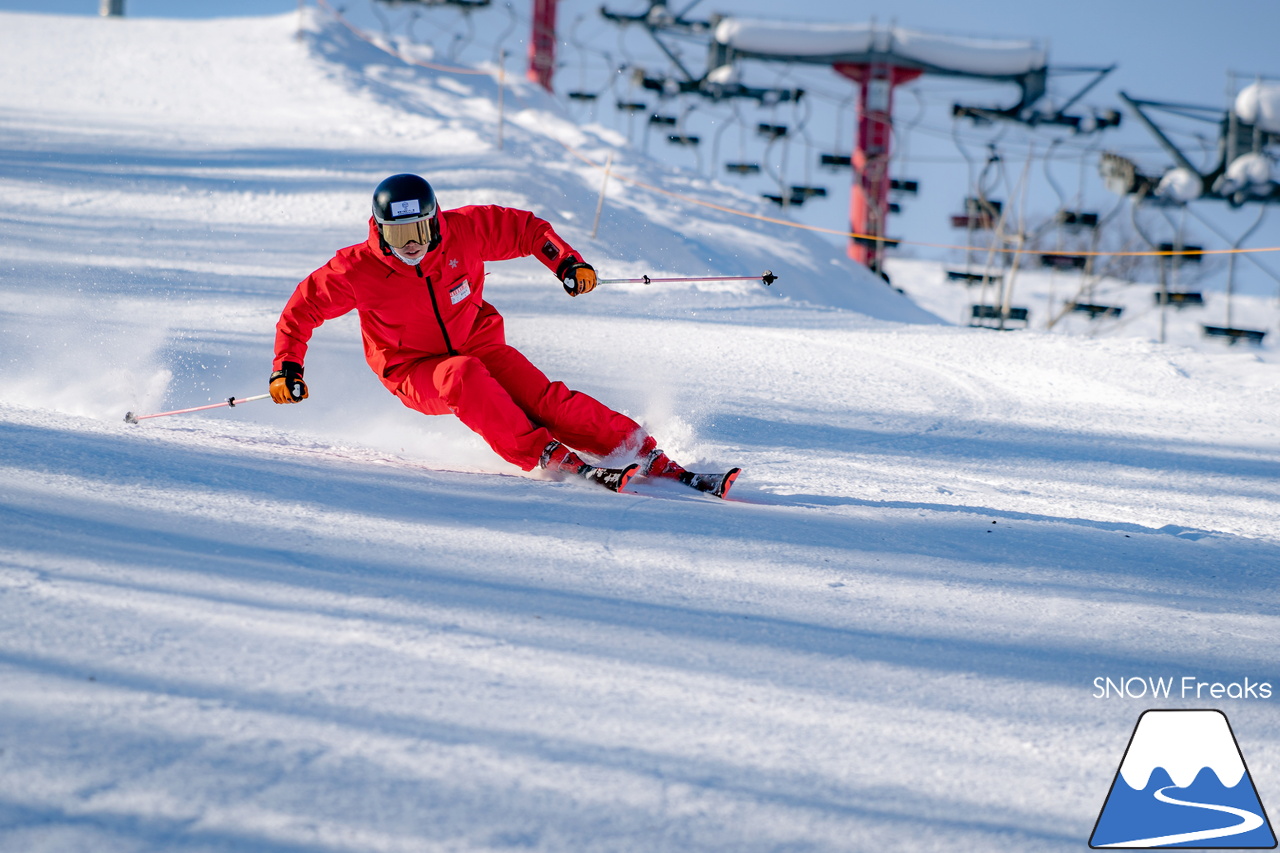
(627, 474)
(730, 477)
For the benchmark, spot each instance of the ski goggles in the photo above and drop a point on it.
(400, 234)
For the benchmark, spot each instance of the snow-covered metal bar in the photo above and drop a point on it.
(829, 43)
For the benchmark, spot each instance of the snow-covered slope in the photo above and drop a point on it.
(342, 626)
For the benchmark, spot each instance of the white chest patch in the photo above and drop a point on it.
(460, 291)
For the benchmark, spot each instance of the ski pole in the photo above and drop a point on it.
(768, 278)
(232, 402)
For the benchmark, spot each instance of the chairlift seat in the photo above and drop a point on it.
(683, 139)
(978, 222)
(894, 207)
(904, 186)
(1095, 311)
(666, 121)
(1186, 259)
(1064, 262)
(978, 214)
(872, 242)
(632, 106)
(973, 277)
(1076, 220)
(979, 207)
(995, 312)
(836, 161)
(771, 131)
(1187, 299)
(810, 192)
(742, 168)
(1252, 336)
(582, 96)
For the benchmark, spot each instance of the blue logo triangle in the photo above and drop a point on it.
(1183, 783)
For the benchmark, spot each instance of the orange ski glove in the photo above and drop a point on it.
(578, 279)
(287, 385)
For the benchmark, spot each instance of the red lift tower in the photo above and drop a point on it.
(878, 60)
(869, 198)
(542, 43)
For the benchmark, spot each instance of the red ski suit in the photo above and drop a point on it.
(438, 346)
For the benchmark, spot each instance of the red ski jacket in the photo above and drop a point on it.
(411, 312)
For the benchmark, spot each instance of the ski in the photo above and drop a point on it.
(713, 484)
(614, 479)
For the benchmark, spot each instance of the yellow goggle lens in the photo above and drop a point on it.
(400, 234)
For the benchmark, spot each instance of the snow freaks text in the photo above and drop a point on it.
(1185, 687)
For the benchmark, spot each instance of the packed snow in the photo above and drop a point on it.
(343, 626)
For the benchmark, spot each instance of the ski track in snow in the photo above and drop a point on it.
(344, 627)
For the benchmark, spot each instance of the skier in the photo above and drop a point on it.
(418, 285)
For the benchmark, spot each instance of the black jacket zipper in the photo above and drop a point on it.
(435, 306)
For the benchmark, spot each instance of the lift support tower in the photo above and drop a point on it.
(878, 60)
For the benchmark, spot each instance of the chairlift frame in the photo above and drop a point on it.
(1235, 137)
(656, 20)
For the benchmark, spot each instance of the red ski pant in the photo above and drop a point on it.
(512, 405)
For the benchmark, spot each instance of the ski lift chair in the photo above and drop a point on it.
(1095, 311)
(873, 242)
(982, 315)
(1194, 257)
(1185, 299)
(1067, 263)
(904, 186)
(631, 106)
(836, 161)
(742, 168)
(662, 121)
(971, 278)
(771, 131)
(684, 139)
(1078, 220)
(583, 96)
(809, 192)
(978, 214)
(1235, 336)
(792, 200)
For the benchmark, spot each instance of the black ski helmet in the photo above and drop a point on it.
(406, 199)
